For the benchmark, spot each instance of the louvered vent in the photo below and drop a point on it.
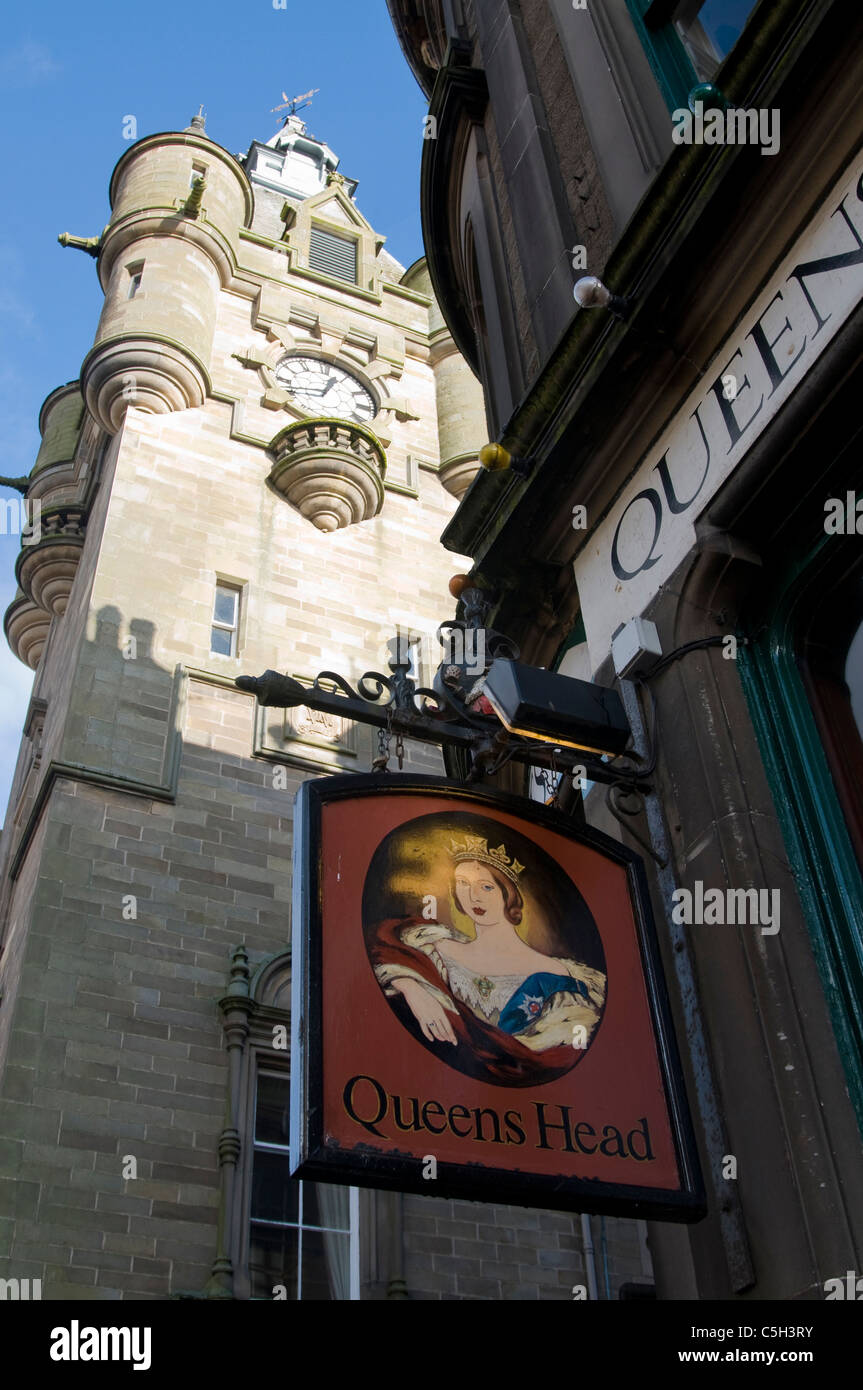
(333, 255)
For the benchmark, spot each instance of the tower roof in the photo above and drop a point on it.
(293, 162)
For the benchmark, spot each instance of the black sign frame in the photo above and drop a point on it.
(364, 1166)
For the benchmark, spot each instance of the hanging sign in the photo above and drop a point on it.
(478, 1006)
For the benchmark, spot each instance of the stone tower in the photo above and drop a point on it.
(253, 471)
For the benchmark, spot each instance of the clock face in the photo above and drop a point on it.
(325, 390)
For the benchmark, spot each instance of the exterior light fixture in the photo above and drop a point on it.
(496, 459)
(591, 293)
(556, 709)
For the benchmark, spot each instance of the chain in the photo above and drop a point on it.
(557, 779)
(400, 751)
(549, 781)
(385, 733)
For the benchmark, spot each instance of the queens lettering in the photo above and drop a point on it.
(767, 355)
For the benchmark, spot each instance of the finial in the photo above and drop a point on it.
(199, 122)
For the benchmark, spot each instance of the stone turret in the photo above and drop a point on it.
(460, 406)
(178, 202)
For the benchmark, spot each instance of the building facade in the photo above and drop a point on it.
(266, 440)
(679, 445)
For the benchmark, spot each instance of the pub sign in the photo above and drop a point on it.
(478, 1006)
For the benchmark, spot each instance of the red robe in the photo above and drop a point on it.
(483, 1051)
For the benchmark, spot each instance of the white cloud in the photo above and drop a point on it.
(27, 64)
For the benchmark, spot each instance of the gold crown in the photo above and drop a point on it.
(476, 847)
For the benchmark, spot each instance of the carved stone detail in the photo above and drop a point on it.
(156, 377)
(26, 626)
(45, 571)
(332, 471)
(457, 474)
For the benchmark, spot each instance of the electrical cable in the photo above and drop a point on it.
(620, 812)
(698, 645)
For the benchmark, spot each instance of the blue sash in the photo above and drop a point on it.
(526, 1004)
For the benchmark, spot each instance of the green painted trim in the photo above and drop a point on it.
(575, 639)
(405, 292)
(813, 825)
(260, 240)
(344, 285)
(667, 56)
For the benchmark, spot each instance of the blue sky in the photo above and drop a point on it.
(69, 75)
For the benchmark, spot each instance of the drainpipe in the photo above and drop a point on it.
(589, 1257)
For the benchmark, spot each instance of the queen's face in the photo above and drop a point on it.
(478, 895)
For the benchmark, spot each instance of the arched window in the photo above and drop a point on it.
(282, 1239)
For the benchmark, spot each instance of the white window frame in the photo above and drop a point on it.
(353, 1232)
(136, 275)
(217, 625)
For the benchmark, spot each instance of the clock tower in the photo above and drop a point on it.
(253, 470)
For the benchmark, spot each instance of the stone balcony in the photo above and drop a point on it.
(26, 626)
(331, 471)
(46, 567)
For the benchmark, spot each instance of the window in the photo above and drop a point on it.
(199, 171)
(303, 1234)
(709, 29)
(333, 255)
(226, 621)
(686, 41)
(136, 275)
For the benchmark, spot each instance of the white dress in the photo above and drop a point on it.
(549, 1022)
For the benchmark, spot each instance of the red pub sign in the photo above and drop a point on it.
(478, 1005)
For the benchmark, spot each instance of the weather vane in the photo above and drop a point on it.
(294, 104)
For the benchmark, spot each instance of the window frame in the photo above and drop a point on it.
(262, 1066)
(813, 821)
(226, 586)
(135, 270)
(666, 51)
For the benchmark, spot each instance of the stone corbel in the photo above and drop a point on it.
(399, 407)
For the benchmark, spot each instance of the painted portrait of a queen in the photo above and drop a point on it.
(499, 968)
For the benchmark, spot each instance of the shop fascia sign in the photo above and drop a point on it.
(650, 527)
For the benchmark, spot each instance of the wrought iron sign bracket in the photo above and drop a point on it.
(434, 716)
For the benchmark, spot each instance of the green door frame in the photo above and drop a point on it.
(812, 820)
